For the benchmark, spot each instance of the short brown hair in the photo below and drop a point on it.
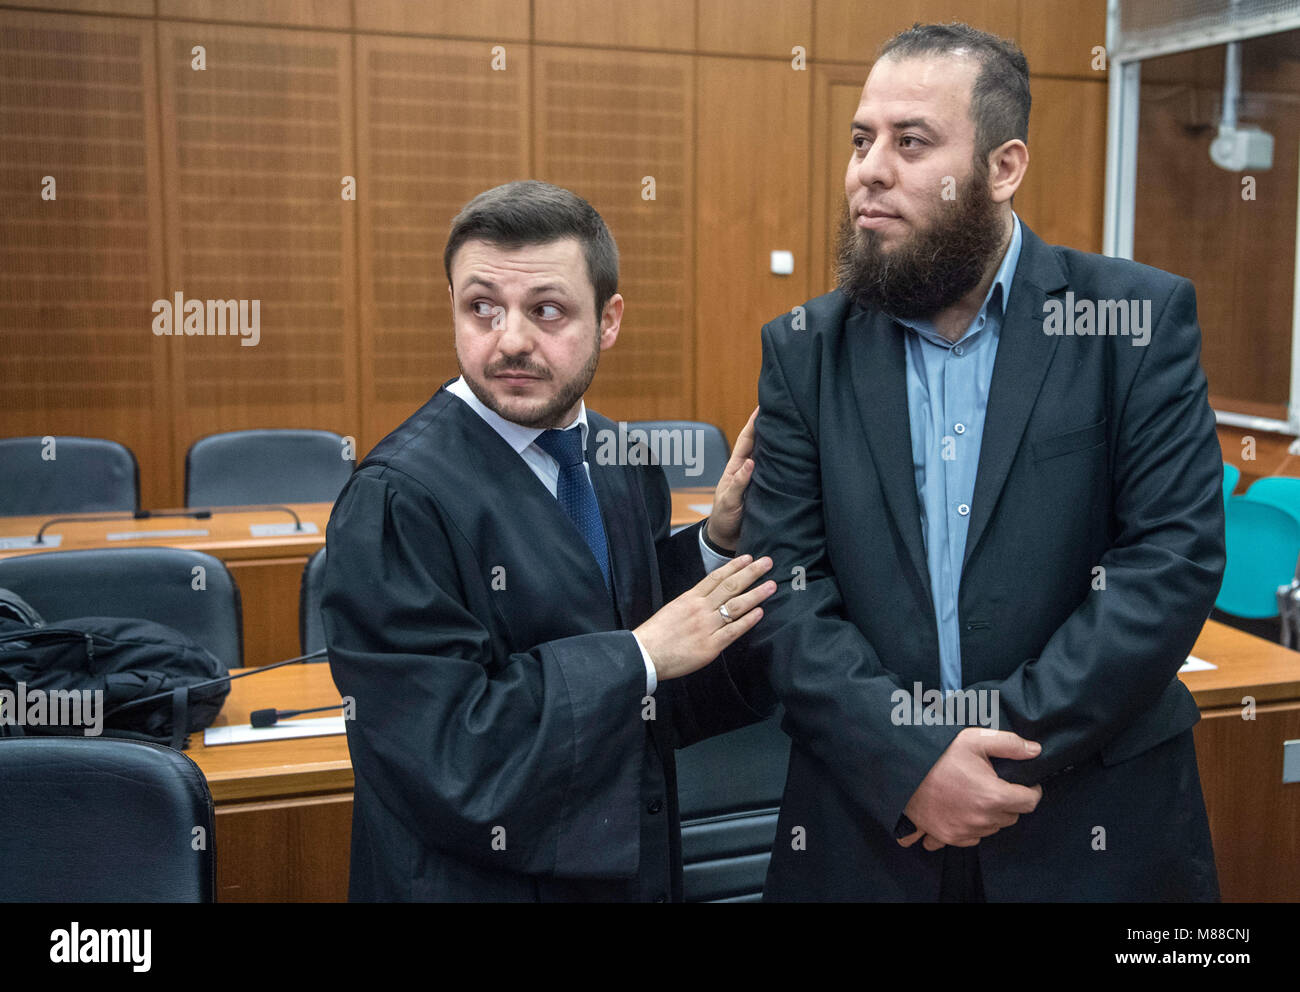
(529, 212)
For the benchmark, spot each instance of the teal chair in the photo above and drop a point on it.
(1277, 490)
(1230, 476)
(1263, 544)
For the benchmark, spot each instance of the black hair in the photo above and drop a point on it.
(999, 102)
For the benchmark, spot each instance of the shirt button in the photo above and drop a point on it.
(963, 509)
(654, 806)
(958, 350)
(959, 429)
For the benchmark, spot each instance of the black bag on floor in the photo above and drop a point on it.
(85, 676)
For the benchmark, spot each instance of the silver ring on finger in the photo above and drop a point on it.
(726, 617)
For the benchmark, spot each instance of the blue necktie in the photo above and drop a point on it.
(574, 491)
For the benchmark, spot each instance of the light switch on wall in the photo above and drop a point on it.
(782, 263)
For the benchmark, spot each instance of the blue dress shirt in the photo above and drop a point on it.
(947, 396)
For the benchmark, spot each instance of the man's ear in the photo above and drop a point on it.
(610, 319)
(1007, 165)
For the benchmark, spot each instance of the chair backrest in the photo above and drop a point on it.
(1231, 475)
(311, 632)
(704, 445)
(1281, 491)
(190, 591)
(239, 468)
(57, 475)
(98, 819)
(1263, 545)
(729, 791)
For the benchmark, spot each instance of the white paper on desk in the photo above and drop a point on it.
(29, 541)
(704, 508)
(151, 535)
(282, 530)
(1195, 664)
(245, 733)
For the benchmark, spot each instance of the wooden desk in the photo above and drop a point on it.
(1254, 817)
(267, 570)
(684, 503)
(284, 808)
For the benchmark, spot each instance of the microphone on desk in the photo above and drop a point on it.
(269, 718)
(315, 655)
(197, 512)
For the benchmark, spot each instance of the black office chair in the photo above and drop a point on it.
(708, 450)
(729, 791)
(239, 468)
(150, 583)
(98, 819)
(311, 632)
(66, 475)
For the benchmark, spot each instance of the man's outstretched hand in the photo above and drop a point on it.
(723, 527)
(962, 800)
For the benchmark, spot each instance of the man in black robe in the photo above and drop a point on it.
(494, 600)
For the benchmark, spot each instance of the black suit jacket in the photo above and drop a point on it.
(500, 745)
(1096, 452)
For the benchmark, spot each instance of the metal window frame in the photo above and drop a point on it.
(1123, 101)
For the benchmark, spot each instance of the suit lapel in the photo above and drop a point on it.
(878, 368)
(1024, 354)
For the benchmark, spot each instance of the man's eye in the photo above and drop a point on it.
(860, 141)
(549, 311)
(910, 141)
(481, 308)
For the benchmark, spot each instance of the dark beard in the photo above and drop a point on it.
(930, 271)
(548, 416)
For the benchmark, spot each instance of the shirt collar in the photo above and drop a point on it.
(998, 294)
(515, 435)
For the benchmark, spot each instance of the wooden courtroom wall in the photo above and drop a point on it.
(225, 183)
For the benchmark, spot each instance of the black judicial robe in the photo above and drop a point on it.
(500, 742)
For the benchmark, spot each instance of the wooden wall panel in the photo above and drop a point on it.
(752, 166)
(255, 150)
(852, 31)
(436, 126)
(138, 8)
(755, 27)
(837, 93)
(504, 20)
(666, 24)
(79, 272)
(605, 122)
(1063, 196)
(1192, 218)
(1058, 36)
(336, 14)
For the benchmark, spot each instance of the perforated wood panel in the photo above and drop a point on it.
(79, 257)
(852, 31)
(256, 148)
(437, 125)
(607, 122)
